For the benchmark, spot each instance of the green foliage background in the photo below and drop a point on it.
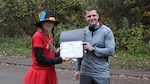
(129, 20)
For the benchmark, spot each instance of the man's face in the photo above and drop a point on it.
(92, 17)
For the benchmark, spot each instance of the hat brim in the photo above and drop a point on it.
(39, 24)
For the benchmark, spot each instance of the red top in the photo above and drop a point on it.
(38, 40)
(41, 74)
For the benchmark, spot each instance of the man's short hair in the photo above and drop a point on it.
(89, 8)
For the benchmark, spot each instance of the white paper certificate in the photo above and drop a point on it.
(71, 49)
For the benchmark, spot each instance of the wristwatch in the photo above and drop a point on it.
(94, 48)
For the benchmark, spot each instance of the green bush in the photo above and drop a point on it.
(15, 42)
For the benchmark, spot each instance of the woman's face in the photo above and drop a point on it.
(48, 26)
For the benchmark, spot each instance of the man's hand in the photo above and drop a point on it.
(77, 75)
(87, 46)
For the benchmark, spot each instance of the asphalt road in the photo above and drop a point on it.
(13, 74)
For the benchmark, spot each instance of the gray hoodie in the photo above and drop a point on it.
(96, 63)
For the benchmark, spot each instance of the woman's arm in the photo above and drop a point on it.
(42, 60)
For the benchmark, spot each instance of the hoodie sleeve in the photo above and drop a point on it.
(109, 48)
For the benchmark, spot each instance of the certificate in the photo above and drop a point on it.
(71, 49)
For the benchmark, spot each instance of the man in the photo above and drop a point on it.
(99, 44)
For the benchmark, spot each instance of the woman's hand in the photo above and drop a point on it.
(65, 58)
(57, 50)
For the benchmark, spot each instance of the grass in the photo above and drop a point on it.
(15, 52)
(18, 46)
(22, 47)
(131, 60)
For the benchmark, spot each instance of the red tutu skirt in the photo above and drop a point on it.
(40, 75)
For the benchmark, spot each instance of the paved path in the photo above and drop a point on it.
(12, 71)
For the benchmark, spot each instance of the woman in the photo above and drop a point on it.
(42, 70)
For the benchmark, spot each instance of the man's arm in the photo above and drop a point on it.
(78, 64)
(109, 48)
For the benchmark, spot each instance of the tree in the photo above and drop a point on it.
(20, 16)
